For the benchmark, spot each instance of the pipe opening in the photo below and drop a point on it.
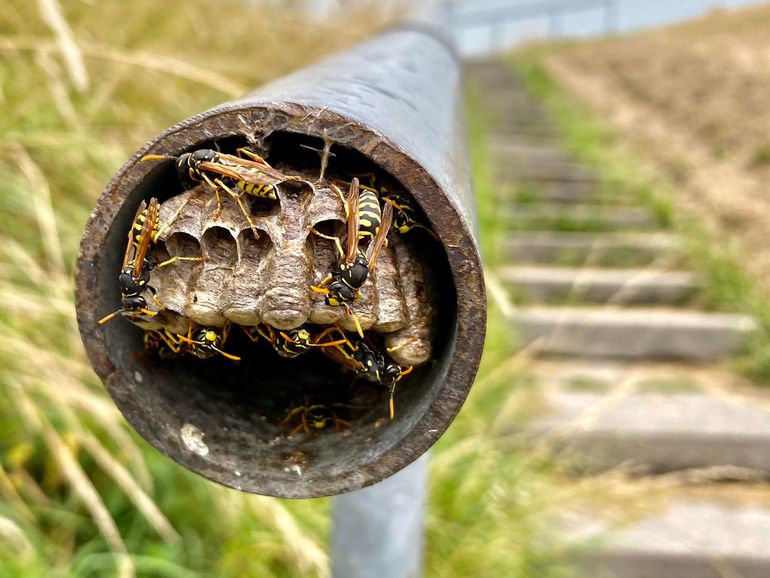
(269, 418)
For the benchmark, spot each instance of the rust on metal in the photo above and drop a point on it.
(392, 104)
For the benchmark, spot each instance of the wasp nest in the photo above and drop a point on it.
(234, 262)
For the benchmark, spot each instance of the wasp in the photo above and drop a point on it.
(316, 417)
(232, 174)
(203, 343)
(291, 343)
(206, 342)
(368, 363)
(364, 221)
(404, 218)
(405, 213)
(134, 277)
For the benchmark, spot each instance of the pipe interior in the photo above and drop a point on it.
(236, 417)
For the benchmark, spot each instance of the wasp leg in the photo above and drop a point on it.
(338, 422)
(175, 259)
(343, 198)
(214, 186)
(291, 414)
(320, 287)
(302, 425)
(252, 155)
(336, 240)
(324, 333)
(235, 195)
(154, 294)
(395, 205)
(173, 218)
(356, 322)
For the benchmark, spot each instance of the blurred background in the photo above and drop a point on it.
(620, 163)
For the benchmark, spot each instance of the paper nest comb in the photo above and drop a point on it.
(247, 281)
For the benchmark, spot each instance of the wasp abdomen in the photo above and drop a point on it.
(369, 214)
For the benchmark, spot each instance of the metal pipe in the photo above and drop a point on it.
(394, 101)
(378, 532)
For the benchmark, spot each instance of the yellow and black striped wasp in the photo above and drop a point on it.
(291, 343)
(364, 221)
(232, 174)
(203, 343)
(135, 271)
(360, 356)
(405, 213)
(404, 218)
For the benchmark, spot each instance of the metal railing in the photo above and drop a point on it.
(496, 19)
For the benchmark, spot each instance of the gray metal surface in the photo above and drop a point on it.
(378, 531)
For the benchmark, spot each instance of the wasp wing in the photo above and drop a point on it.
(145, 237)
(341, 357)
(382, 235)
(266, 174)
(132, 234)
(352, 239)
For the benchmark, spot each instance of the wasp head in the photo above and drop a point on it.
(340, 294)
(355, 274)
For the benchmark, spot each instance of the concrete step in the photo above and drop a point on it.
(610, 249)
(616, 286)
(579, 217)
(534, 133)
(591, 375)
(632, 333)
(590, 191)
(688, 537)
(656, 432)
(544, 170)
(521, 149)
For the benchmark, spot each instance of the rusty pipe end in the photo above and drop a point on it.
(222, 419)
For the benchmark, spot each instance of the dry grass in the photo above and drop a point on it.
(693, 98)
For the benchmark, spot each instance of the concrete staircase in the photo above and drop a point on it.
(627, 366)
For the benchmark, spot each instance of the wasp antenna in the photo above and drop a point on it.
(227, 355)
(392, 407)
(186, 339)
(319, 290)
(106, 318)
(402, 344)
(156, 158)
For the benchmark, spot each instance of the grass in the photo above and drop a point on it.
(726, 285)
(80, 494)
